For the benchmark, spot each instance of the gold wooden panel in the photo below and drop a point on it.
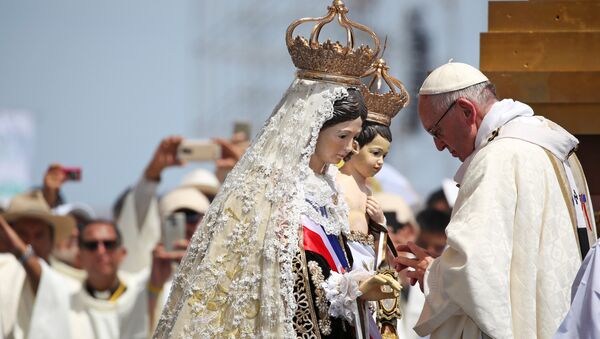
(576, 118)
(510, 16)
(549, 87)
(540, 51)
(547, 53)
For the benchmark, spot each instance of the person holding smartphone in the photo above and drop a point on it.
(182, 210)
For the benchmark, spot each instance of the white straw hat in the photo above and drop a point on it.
(183, 197)
(203, 180)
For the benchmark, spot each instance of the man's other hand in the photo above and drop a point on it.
(419, 264)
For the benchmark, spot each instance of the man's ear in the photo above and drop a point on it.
(468, 109)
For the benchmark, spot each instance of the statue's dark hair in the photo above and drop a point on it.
(348, 108)
(370, 130)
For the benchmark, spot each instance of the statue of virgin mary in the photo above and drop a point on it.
(270, 260)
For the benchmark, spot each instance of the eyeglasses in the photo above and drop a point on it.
(435, 129)
(92, 245)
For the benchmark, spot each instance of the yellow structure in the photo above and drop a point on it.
(547, 54)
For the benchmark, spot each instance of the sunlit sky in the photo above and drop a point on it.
(105, 81)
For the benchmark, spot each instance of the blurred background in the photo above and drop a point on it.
(97, 85)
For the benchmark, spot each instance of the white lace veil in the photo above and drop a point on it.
(236, 279)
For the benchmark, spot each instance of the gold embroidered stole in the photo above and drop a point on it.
(582, 187)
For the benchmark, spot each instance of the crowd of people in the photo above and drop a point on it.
(99, 278)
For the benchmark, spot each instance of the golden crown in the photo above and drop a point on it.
(383, 107)
(331, 61)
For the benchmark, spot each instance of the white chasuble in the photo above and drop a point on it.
(512, 252)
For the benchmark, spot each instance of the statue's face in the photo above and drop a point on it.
(369, 159)
(335, 142)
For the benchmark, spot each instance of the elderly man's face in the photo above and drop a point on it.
(453, 128)
(37, 233)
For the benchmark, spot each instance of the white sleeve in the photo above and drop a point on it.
(144, 192)
(139, 241)
(582, 320)
(50, 316)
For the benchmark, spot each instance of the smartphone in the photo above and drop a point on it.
(198, 150)
(173, 230)
(72, 173)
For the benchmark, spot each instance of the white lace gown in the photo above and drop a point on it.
(237, 277)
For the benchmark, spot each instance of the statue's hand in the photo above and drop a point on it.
(372, 288)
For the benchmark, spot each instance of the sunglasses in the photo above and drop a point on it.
(94, 244)
(192, 217)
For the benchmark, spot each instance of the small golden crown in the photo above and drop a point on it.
(383, 107)
(331, 61)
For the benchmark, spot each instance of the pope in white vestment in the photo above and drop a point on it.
(512, 250)
(512, 254)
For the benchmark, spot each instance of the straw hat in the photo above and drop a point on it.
(183, 197)
(33, 205)
(203, 180)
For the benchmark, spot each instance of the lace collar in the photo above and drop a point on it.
(324, 203)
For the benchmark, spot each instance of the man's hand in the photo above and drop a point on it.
(9, 240)
(53, 180)
(420, 264)
(164, 156)
(161, 262)
(54, 177)
(374, 211)
(232, 152)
